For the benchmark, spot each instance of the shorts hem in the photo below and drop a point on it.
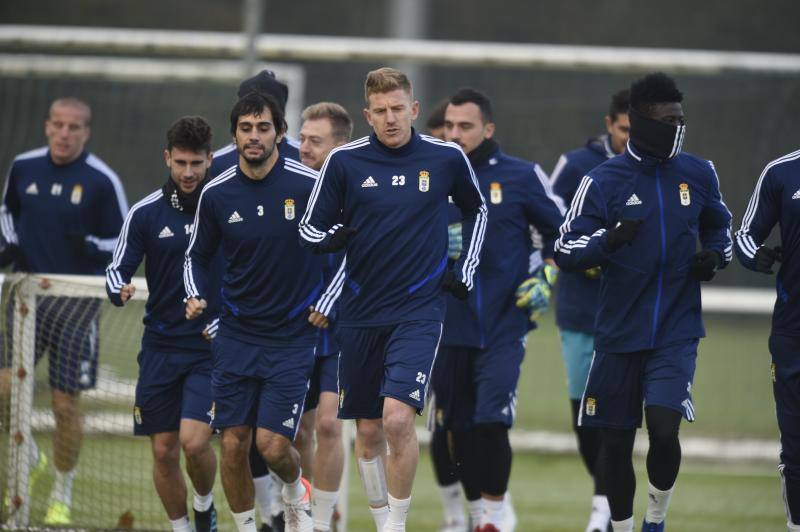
(405, 401)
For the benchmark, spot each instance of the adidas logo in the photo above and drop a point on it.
(235, 218)
(289, 423)
(249, 521)
(633, 200)
(414, 395)
(165, 233)
(369, 182)
(796, 195)
(32, 189)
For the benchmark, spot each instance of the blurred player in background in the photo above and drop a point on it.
(173, 391)
(576, 298)
(326, 126)
(776, 200)
(61, 213)
(484, 338)
(435, 122)
(384, 199)
(639, 216)
(264, 350)
(264, 83)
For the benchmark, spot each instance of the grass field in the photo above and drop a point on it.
(732, 395)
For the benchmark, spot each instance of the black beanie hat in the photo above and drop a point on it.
(265, 82)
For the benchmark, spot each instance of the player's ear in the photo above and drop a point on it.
(367, 116)
(167, 157)
(209, 156)
(609, 122)
(489, 132)
(414, 109)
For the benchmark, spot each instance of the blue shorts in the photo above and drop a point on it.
(260, 385)
(620, 383)
(171, 386)
(388, 361)
(67, 329)
(577, 349)
(785, 370)
(323, 379)
(478, 385)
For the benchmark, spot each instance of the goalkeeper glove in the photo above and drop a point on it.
(454, 286)
(454, 241)
(534, 293)
(766, 257)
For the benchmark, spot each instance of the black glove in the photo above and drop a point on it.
(340, 238)
(704, 265)
(623, 233)
(454, 286)
(766, 257)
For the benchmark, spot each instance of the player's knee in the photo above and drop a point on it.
(398, 422)
(195, 446)
(305, 435)
(165, 453)
(662, 426)
(617, 442)
(65, 407)
(329, 429)
(272, 447)
(235, 442)
(370, 435)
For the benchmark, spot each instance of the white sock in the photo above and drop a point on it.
(495, 511)
(202, 503)
(181, 524)
(263, 487)
(476, 512)
(322, 506)
(62, 488)
(601, 513)
(276, 497)
(657, 504)
(451, 503)
(623, 526)
(793, 527)
(245, 521)
(398, 512)
(380, 515)
(294, 492)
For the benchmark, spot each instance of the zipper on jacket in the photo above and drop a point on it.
(659, 288)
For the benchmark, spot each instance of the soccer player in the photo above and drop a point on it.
(435, 122)
(173, 397)
(384, 199)
(265, 83)
(483, 345)
(576, 299)
(639, 216)
(326, 126)
(61, 213)
(776, 200)
(264, 350)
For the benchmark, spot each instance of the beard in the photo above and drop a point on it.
(261, 159)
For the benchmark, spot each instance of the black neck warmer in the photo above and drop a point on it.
(482, 153)
(180, 201)
(654, 138)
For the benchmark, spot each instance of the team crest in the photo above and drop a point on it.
(288, 209)
(591, 406)
(77, 194)
(495, 193)
(213, 412)
(424, 181)
(686, 199)
(341, 397)
(137, 415)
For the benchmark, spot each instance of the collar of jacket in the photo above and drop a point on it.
(481, 155)
(601, 145)
(638, 157)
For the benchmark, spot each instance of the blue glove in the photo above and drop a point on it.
(454, 241)
(534, 293)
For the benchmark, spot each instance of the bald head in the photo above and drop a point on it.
(67, 129)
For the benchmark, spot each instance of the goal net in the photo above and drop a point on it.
(81, 342)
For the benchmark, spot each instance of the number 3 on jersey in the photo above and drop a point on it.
(260, 210)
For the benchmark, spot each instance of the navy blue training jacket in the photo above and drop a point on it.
(158, 233)
(397, 201)
(64, 218)
(518, 195)
(776, 200)
(647, 297)
(270, 280)
(576, 295)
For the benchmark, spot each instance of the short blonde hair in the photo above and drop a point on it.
(386, 80)
(71, 101)
(341, 123)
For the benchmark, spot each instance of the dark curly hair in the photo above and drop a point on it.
(253, 103)
(653, 89)
(190, 133)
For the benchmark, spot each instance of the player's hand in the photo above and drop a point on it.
(339, 239)
(454, 241)
(451, 284)
(623, 233)
(195, 307)
(210, 332)
(534, 293)
(766, 257)
(593, 273)
(704, 265)
(317, 319)
(126, 292)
